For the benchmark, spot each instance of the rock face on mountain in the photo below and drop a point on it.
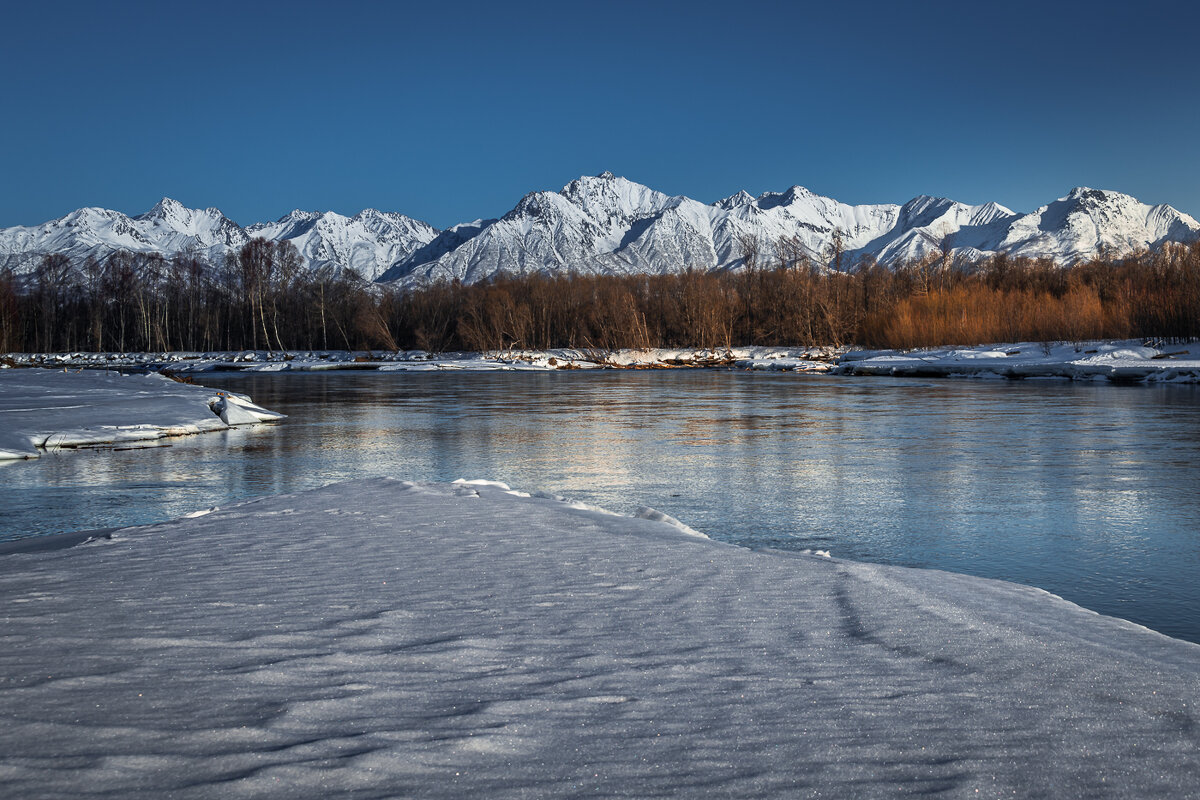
(609, 225)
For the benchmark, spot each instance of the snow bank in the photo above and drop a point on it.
(1119, 362)
(765, 358)
(44, 409)
(1129, 361)
(384, 639)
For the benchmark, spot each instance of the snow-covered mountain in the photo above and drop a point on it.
(607, 224)
(167, 228)
(368, 242)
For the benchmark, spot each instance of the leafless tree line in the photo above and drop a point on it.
(262, 297)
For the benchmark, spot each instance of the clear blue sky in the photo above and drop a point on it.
(448, 112)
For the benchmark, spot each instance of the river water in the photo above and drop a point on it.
(1089, 491)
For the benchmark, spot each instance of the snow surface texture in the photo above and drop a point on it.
(608, 224)
(1118, 362)
(44, 409)
(385, 639)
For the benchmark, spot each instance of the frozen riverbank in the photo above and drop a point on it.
(44, 409)
(797, 359)
(1132, 361)
(383, 639)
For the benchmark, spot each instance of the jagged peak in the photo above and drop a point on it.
(165, 207)
(93, 211)
(533, 204)
(170, 209)
(992, 208)
(605, 181)
(1085, 194)
(167, 202)
(926, 201)
(742, 198)
(790, 196)
(1084, 199)
(613, 197)
(391, 216)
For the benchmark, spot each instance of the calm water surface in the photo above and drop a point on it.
(1089, 491)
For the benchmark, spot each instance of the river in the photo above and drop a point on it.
(1091, 492)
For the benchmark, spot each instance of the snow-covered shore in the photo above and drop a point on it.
(1118, 362)
(385, 639)
(1133, 361)
(800, 359)
(43, 409)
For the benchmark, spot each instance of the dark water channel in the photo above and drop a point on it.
(1089, 491)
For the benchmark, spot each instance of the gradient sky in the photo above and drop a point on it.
(451, 113)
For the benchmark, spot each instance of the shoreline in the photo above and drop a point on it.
(1127, 361)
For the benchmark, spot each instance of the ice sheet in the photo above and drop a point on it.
(43, 409)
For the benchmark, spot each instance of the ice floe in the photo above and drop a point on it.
(44, 409)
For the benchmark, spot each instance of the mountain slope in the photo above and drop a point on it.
(610, 225)
(368, 242)
(167, 228)
(607, 224)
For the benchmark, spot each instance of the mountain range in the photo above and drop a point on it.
(608, 224)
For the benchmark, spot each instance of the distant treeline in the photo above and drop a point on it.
(263, 298)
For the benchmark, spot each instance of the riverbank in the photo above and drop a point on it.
(1132, 361)
(43, 409)
(799, 359)
(380, 638)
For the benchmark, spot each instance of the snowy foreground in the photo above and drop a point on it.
(1133, 361)
(43, 409)
(385, 639)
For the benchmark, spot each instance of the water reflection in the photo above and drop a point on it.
(1087, 491)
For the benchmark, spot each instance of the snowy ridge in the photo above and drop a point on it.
(611, 225)
(368, 242)
(168, 228)
(607, 224)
